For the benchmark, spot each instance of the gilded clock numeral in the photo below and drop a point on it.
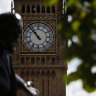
(28, 34)
(31, 43)
(45, 30)
(47, 34)
(40, 28)
(28, 39)
(47, 39)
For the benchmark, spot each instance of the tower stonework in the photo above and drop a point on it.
(39, 51)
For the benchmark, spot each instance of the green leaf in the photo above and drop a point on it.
(72, 77)
(75, 25)
(49, 2)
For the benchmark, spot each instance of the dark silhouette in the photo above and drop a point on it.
(10, 28)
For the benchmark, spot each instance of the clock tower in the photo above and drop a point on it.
(39, 51)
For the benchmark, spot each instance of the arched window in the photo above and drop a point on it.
(48, 60)
(27, 60)
(53, 60)
(42, 60)
(28, 8)
(38, 60)
(23, 9)
(38, 8)
(22, 60)
(53, 9)
(43, 9)
(48, 9)
(33, 60)
(33, 8)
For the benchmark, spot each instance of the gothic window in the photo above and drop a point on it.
(53, 9)
(23, 9)
(58, 60)
(53, 60)
(48, 60)
(27, 59)
(43, 9)
(48, 9)
(53, 74)
(38, 60)
(33, 8)
(33, 60)
(22, 60)
(43, 60)
(28, 8)
(38, 8)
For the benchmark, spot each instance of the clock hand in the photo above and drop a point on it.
(36, 35)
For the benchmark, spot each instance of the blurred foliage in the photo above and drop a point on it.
(80, 30)
(49, 2)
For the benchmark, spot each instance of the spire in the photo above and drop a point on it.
(64, 7)
(12, 6)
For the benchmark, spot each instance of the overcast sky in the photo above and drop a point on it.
(75, 88)
(5, 6)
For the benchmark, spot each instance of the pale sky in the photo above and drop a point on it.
(75, 88)
(5, 6)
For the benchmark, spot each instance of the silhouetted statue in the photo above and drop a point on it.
(10, 28)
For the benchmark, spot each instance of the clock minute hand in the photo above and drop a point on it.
(36, 35)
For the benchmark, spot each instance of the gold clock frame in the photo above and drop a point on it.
(51, 50)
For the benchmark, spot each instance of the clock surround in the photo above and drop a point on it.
(46, 68)
(38, 36)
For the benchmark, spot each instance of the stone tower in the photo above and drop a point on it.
(39, 56)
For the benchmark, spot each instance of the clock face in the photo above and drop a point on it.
(38, 36)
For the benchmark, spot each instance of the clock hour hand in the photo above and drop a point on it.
(36, 35)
